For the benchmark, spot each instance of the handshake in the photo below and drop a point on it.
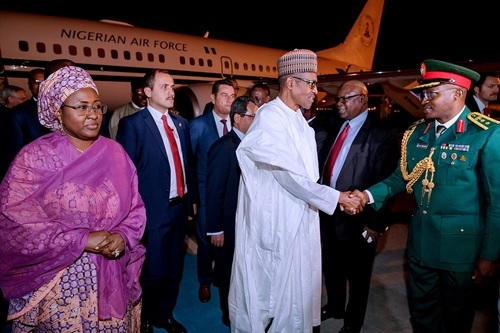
(353, 202)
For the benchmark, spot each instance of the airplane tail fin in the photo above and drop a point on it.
(358, 49)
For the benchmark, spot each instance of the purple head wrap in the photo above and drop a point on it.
(56, 89)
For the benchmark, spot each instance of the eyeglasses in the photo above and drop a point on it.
(343, 99)
(312, 84)
(431, 94)
(85, 109)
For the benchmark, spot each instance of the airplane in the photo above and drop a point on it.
(114, 52)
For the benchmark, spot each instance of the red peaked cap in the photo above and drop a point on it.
(436, 72)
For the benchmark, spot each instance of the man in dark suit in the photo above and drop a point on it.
(368, 155)
(145, 138)
(204, 130)
(482, 92)
(22, 124)
(223, 177)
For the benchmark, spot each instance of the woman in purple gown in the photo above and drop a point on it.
(71, 220)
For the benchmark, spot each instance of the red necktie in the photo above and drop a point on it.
(487, 111)
(177, 159)
(224, 130)
(334, 153)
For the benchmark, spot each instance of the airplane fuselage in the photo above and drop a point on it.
(114, 52)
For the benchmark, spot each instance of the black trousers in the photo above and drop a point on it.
(222, 272)
(205, 255)
(347, 269)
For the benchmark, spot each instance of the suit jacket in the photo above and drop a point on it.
(372, 157)
(223, 178)
(22, 127)
(203, 132)
(471, 102)
(320, 131)
(140, 137)
(460, 221)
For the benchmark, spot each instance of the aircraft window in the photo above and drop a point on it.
(201, 62)
(40, 47)
(23, 46)
(236, 65)
(253, 67)
(114, 54)
(192, 62)
(57, 48)
(161, 57)
(126, 55)
(210, 63)
(213, 51)
(72, 50)
(226, 65)
(206, 50)
(151, 57)
(261, 69)
(182, 60)
(138, 56)
(101, 53)
(245, 66)
(87, 51)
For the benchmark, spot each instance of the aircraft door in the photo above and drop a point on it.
(226, 65)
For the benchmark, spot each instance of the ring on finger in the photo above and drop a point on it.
(116, 253)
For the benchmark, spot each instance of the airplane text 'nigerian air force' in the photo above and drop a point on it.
(117, 39)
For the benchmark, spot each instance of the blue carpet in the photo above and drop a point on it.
(197, 317)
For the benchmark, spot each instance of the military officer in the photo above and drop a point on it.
(453, 240)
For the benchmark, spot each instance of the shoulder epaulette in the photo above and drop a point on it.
(418, 122)
(481, 120)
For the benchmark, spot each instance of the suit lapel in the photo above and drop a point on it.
(151, 125)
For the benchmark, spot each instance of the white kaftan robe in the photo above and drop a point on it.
(276, 270)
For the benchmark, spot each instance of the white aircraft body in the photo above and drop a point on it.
(114, 52)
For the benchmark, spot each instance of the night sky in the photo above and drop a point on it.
(411, 30)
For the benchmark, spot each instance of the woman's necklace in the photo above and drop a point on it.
(65, 132)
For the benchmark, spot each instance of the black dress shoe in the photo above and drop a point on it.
(146, 327)
(204, 293)
(327, 313)
(171, 326)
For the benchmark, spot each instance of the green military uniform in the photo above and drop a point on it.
(455, 180)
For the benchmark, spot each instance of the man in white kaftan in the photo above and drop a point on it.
(276, 274)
